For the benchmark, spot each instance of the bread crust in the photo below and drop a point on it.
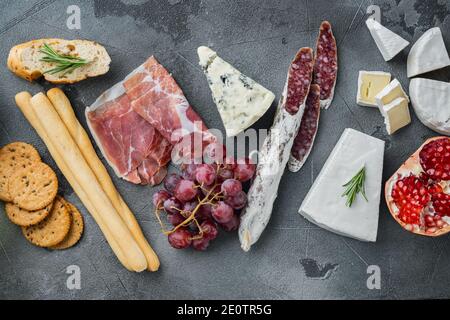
(16, 65)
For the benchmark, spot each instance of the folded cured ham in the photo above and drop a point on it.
(138, 121)
(275, 151)
(157, 98)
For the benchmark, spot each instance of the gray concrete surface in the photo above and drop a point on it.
(294, 259)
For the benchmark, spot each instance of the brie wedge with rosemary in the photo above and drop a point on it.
(325, 205)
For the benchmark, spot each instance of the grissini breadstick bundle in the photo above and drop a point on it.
(81, 138)
(65, 139)
(23, 101)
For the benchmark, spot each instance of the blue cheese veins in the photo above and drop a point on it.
(240, 100)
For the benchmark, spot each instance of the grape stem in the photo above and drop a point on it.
(191, 217)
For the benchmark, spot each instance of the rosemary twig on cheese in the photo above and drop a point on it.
(355, 186)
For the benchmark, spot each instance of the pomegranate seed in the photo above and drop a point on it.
(431, 230)
(440, 224)
(441, 203)
(433, 159)
(410, 204)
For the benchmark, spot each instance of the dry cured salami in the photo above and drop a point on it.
(326, 64)
(308, 128)
(275, 151)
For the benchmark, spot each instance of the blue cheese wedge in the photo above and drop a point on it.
(240, 100)
(324, 204)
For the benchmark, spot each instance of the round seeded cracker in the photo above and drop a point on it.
(33, 187)
(53, 229)
(26, 218)
(76, 229)
(21, 150)
(10, 163)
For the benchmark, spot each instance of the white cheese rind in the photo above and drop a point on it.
(294, 165)
(431, 102)
(273, 157)
(206, 56)
(396, 115)
(391, 92)
(326, 103)
(379, 80)
(388, 42)
(240, 100)
(324, 204)
(428, 53)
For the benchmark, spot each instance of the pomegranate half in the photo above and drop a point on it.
(418, 193)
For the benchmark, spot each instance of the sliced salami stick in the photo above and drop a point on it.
(308, 129)
(275, 151)
(326, 64)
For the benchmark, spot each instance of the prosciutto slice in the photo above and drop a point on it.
(138, 122)
(160, 101)
(128, 142)
(275, 151)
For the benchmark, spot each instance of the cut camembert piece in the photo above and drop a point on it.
(396, 115)
(431, 102)
(388, 42)
(391, 92)
(324, 204)
(428, 53)
(240, 100)
(393, 104)
(370, 83)
(275, 151)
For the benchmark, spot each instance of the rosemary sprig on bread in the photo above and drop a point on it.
(58, 61)
(63, 62)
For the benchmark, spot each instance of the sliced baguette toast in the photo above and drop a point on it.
(24, 60)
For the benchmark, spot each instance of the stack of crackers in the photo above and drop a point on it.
(29, 187)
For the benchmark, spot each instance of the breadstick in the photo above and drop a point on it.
(64, 108)
(68, 149)
(23, 102)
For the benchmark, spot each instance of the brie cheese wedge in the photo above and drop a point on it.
(370, 83)
(240, 100)
(324, 204)
(428, 53)
(388, 42)
(431, 102)
(396, 115)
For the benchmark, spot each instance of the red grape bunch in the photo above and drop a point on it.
(202, 198)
